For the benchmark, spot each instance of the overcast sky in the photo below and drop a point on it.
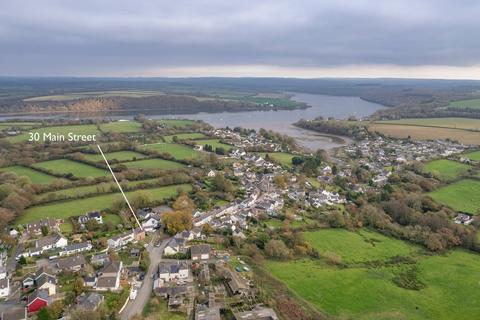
(302, 38)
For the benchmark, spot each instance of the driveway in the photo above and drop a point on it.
(136, 306)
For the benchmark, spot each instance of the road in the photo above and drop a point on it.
(136, 306)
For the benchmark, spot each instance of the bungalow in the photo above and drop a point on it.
(51, 242)
(109, 276)
(100, 259)
(90, 301)
(72, 263)
(76, 248)
(168, 271)
(37, 300)
(15, 313)
(200, 252)
(4, 287)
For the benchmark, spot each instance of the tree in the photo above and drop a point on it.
(177, 221)
(6, 216)
(140, 200)
(207, 229)
(277, 249)
(78, 286)
(22, 261)
(43, 314)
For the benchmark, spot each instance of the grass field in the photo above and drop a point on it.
(446, 169)
(451, 281)
(178, 151)
(281, 157)
(463, 196)
(113, 218)
(154, 164)
(457, 123)
(471, 104)
(22, 125)
(358, 246)
(121, 126)
(184, 136)
(215, 143)
(86, 190)
(277, 223)
(35, 176)
(65, 166)
(99, 94)
(176, 123)
(473, 155)
(88, 129)
(119, 156)
(426, 133)
(71, 208)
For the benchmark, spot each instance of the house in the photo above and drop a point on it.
(90, 301)
(139, 234)
(168, 271)
(28, 282)
(90, 281)
(13, 233)
(76, 248)
(47, 282)
(211, 174)
(121, 240)
(143, 214)
(174, 246)
(51, 242)
(37, 300)
(463, 218)
(257, 313)
(94, 215)
(15, 313)
(4, 287)
(135, 253)
(200, 252)
(100, 259)
(35, 228)
(109, 276)
(72, 263)
(150, 224)
(204, 313)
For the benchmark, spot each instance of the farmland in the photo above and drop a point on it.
(65, 166)
(463, 196)
(281, 157)
(446, 169)
(215, 143)
(121, 126)
(184, 136)
(34, 176)
(67, 209)
(456, 123)
(118, 156)
(469, 104)
(154, 164)
(369, 293)
(426, 133)
(95, 94)
(88, 129)
(176, 123)
(178, 151)
(473, 155)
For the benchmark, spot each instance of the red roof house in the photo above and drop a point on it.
(37, 300)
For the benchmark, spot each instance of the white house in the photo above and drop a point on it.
(150, 224)
(51, 242)
(171, 271)
(121, 240)
(109, 276)
(76, 248)
(4, 287)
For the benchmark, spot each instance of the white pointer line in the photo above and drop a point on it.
(120, 187)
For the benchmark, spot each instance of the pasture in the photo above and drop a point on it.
(282, 158)
(463, 196)
(66, 209)
(469, 104)
(96, 94)
(473, 155)
(178, 151)
(215, 143)
(35, 176)
(446, 169)
(121, 126)
(184, 136)
(426, 133)
(456, 123)
(359, 292)
(77, 169)
(176, 123)
(118, 156)
(87, 129)
(154, 164)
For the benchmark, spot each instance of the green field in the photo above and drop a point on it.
(88, 129)
(35, 176)
(358, 246)
(184, 136)
(178, 151)
(450, 292)
(176, 123)
(457, 123)
(473, 155)
(119, 156)
(115, 219)
(277, 223)
(446, 169)
(87, 190)
(65, 166)
(471, 104)
(281, 157)
(463, 195)
(154, 164)
(97, 94)
(121, 126)
(21, 125)
(72, 208)
(215, 143)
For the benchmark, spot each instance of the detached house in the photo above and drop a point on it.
(200, 252)
(72, 263)
(51, 242)
(37, 300)
(94, 215)
(121, 240)
(109, 276)
(47, 282)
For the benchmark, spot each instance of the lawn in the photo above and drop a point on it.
(154, 164)
(35, 177)
(281, 157)
(178, 151)
(88, 129)
(215, 143)
(121, 126)
(358, 246)
(185, 136)
(473, 155)
(471, 104)
(446, 169)
(457, 123)
(113, 218)
(71, 208)
(65, 166)
(368, 293)
(463, 196)
(277, 223)
(119, 156)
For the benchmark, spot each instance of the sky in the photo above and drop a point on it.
(300, 38)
